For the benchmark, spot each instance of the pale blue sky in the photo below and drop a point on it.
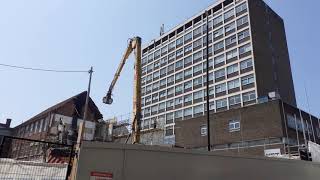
(77, 34)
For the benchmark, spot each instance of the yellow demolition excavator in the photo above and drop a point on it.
(134, 45)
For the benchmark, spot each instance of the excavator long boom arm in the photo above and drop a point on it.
(134, 45)
(108, 98)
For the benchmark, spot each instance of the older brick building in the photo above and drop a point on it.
(251, 130)
(44, 126)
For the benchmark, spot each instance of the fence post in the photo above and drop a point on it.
(2, 144)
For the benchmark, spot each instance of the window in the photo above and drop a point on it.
(197, 56)
(219, 59)
(170, 68)
(163, 72)
(244, 34)
(187, 85)
(179, 76)
(188, 37)
(157, 54)
(247, 80)
(188, 98)
(244, 49)
(203, 130)
(218, 46)
(178, 114)
(155, 97)
(187, 112)
(218, 33)
(179, 64)
(211, 106)
(147, 111)
(156, 64)
(198, 109)
(179, 52)
(229, 14)
(163, 82)
(220, 88)
(179, 41)
(188, 48)
(211, 91)
(188, 60)
(210, 24)
(170, 79)
(150, 58)
(217, 20)
(234, 125)
(169, 131)
(188, 72)
(144, 70)
(197, 43)
(170, 91)
(197, 31)
(232, 54)
(149, 88)
(172, 56)
(246, 64)
(149, 77)
(163, 61)
(179, 88)
(233, 84)
(41, 125)
(233, 100)
(162, 94)
(155, 86)
(197, 81)
(178, 101)
(143, 80)
(154, 109)
(156, 74)
(164, 50)
(221, 103)
(150, 67)
(198, 95)
(210, 39)
(145, 124)
(230, 27)
(250, 96)
(172, 45)
(162, 106)
(197, 68)
(241, 8)
(232, 69)
(170, 104)
(231, 40)
(219, 74)
(242, 21)
(144, 61)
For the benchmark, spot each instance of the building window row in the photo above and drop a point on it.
(186, 101)
(214, 36)
(218, 61)
(191, 77)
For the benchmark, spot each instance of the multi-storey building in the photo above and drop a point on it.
(248, 59)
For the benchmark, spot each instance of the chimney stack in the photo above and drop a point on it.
(8, 122)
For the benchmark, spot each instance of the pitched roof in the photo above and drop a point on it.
(78, 100)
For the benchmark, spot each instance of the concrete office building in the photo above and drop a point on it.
(248, 59)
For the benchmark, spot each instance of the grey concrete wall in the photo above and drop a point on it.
(137, 162)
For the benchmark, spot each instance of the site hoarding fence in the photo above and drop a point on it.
(22, 158)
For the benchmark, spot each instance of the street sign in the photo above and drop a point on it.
(272, 152)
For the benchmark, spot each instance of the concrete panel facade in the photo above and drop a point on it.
(135, 162)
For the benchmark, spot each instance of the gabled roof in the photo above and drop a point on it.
(79, 102)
